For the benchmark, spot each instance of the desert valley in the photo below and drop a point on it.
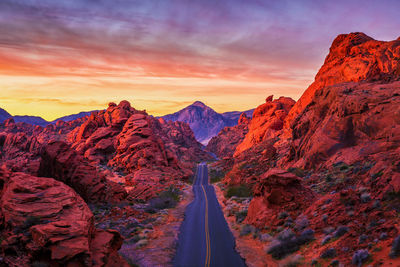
(312, 182)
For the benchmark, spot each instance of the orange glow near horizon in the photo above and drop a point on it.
(62, 57)
(55, 86)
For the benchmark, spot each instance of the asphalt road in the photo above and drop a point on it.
(205, 238)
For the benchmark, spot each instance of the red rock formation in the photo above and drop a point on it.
(119, 144)
(225, 143)
(66, 165)
(179, 138)
(275, 190)
(130, 141)
(343, 138)
(353, 57)
(357, 120)
(267, 122)
(20, 143)
(43, 220)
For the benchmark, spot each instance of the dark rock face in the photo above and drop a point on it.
(203, 120)
(66, 165)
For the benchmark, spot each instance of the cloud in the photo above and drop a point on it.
(231, 52)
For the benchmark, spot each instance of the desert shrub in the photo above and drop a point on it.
(215, 175)
(165, 200)
(328, 253)
(238, 191)
(326, 239)
(395, 251)
(360, 256)
(341, 230)
(287, 243)
(240, 216)
(247, 229)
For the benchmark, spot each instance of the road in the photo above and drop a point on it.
(205, 238)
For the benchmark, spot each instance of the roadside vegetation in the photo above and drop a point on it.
(165, 200)
(238, 191)
(215, 175)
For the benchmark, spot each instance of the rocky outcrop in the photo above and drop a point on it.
(353, 57)
(277, 190)
(339, 144)
(358, 120)
(129, 140)
(66, 165)
(225, 143)
(146, 151)
(21, 143)
(46, 222)
(267, 122)
(179, 138)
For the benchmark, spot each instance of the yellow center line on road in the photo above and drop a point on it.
(208, 253)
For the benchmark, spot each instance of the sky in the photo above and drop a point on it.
(66, 56)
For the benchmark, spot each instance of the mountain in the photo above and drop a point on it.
(225, 143)
(235, 115)
(204, 121)
(4, 115)
(74, 116)
(36, 120)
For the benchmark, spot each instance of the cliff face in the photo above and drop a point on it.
(267, 122)
(354, 57)
(332, 162)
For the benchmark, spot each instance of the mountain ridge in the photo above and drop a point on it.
(37, 120)
(204, 121)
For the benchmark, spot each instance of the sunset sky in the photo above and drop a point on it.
(61, 57)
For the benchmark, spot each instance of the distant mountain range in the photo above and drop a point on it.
(204, 121)
(4, 115)
(35, 120)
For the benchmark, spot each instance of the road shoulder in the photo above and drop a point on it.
(249, 248)
(162, 242)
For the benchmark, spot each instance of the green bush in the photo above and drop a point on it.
(238, 191)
